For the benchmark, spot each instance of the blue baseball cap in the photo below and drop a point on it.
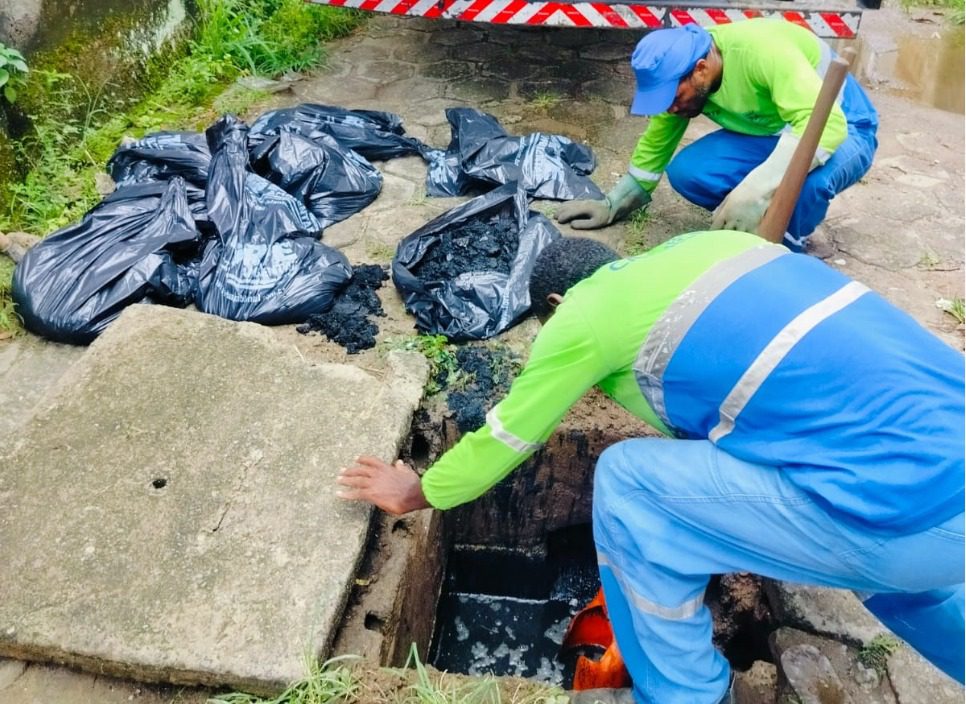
(660, 60)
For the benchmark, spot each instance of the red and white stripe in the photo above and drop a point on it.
(828, 24)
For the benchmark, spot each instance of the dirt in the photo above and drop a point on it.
(350, 320)
(476, 245)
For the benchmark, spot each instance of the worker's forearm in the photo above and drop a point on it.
(468, 470)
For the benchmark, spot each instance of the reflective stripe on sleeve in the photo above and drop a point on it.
(676, 613)
(775, 352)
(664, 337)
(506, 437)
(642, 175)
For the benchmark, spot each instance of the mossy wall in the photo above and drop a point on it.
(103, 44)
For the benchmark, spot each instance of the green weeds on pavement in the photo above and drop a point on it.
(330, 681)
(635, 234)
(875, 654)
(955, 307)
(441, 355)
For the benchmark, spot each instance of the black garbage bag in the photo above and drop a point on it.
(159, 156)
(377, 136)
(266, 263)
(135, 245)
(482, 154)
(332, 182)
(466, 274)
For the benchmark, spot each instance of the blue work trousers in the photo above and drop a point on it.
(670, 513)
(708, 169)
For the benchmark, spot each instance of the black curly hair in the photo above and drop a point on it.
(562, 264)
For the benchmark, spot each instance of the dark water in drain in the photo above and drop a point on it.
(505, 612)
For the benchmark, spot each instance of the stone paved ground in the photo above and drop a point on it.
(900, 230)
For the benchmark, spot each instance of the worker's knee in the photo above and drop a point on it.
(636, 465)
(685, 174)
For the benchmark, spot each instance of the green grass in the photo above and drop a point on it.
(79, 128)
(955, 307)
(635, 233)
(335, 682)
(326, 682)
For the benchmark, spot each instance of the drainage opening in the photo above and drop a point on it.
(505, 611)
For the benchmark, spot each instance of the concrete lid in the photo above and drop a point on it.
(170, 513)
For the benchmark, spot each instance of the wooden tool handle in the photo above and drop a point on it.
(775, 222)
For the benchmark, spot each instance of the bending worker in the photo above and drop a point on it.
(758, 80)
(815, 435)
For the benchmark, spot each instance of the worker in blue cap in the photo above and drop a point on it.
(758, 80)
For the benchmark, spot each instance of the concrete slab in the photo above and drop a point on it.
(170, 514)
(28, 367)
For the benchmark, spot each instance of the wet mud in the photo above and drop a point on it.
(476, 245)
(484, 376)
(350, 320)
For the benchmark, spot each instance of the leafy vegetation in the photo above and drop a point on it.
(441, 355)
(13, 72)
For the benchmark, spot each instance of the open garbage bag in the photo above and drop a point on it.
(377, 136)
(266, 264)
(133, 245)
(331, 181)
(466, 273)
(481, 154)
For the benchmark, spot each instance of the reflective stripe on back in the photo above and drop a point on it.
(663, 339)
(775, 352)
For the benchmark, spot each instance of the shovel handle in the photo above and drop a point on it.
(775, 222)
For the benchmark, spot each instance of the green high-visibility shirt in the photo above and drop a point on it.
(771, 76)
(592, 338)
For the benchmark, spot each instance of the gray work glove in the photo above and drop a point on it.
(623, 199)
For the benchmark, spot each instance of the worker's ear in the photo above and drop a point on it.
(554, 299)
(701, 68)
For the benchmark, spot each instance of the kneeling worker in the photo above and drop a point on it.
(815, 435)
(758, 79)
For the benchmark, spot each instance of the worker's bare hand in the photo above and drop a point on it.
(394, 488)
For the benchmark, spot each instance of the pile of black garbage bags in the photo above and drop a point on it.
(233, 220)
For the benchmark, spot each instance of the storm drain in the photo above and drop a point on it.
(505, 612)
